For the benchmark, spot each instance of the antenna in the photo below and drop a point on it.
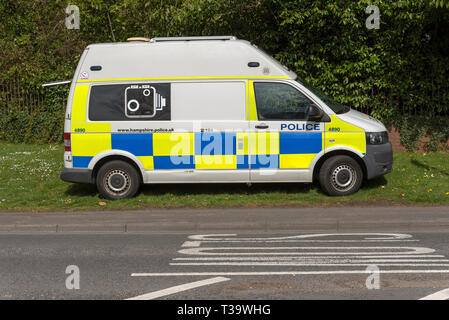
(56, 83)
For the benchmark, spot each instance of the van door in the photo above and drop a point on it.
(215, 114)
(283, 143)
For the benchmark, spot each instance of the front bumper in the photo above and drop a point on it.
(77, 175)
(378, 160)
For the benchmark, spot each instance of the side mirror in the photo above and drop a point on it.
(314, 113)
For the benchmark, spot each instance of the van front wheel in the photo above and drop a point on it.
(340, 176)
(117, 180)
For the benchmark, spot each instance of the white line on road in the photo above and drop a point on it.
(198, 243)
(367, 236)
(300, 251)
(280, 273)
(176, 289)
(277, 264)
(191, 244)
(440, 295)
(320, 258)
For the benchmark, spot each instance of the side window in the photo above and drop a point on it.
(280, 101)
(128, 102)
(209, 101)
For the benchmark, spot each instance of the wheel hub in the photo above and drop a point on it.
(343, 177)
(117, 181)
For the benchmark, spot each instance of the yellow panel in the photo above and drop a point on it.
(264, 143)
(147, 162)
(292, 161)
(173, 144)
(252, 102)
(79, 103)
(90, 144)
(342, 126)
(242, 141)
(247, 99)
(344, 134)
(354, 140)
(91, 127)
(216, 162)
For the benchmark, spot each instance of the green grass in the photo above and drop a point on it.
(29, 180)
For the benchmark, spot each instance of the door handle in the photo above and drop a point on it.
(262, 126)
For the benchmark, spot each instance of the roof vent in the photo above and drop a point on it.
(142, 39)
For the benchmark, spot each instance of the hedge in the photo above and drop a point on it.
(397, 73)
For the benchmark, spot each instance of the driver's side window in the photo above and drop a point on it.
(280, 101)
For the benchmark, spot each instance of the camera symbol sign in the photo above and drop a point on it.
(143, 101)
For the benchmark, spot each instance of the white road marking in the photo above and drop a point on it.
(231, 238)
(306, 256)
(343, 258)
(309, 258)
(367, 236)
(198, 243)
(191, 244)
(278, 263)
(279, 273)
(202, 251)
(440, 295)
(176, 289)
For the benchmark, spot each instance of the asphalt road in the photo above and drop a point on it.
(321, 253)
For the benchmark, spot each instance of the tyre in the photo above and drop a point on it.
(117, 180)
(340, 176)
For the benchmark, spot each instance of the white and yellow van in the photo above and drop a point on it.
(209, 109)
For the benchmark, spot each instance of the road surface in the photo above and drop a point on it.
(315, 253)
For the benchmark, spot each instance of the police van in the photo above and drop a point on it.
(209, 110)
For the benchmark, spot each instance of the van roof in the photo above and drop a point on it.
(187, 57)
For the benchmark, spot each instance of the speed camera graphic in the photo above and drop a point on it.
(143, 101)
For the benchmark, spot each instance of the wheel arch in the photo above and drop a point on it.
(339, 152)
(117, 156)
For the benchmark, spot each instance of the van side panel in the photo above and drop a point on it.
(173, 151)
(80, 103)
(87, 145)
(340, 133)
(252, 102)
(88, 139)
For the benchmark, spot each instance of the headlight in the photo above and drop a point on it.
(376, 137)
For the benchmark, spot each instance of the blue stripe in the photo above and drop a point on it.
(81, 162)
(265, 161)
(174, 162)
(139, 144)
(215, 143)
(242, 162)
(300, 142)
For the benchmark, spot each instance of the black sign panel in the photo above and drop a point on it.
(128, 102)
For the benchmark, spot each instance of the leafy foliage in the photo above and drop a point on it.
(399, 69)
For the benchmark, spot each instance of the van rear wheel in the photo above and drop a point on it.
(340, 176)
(117, 180)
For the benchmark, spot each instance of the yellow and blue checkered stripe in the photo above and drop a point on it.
(167, 151)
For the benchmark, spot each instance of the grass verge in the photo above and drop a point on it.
(29, 180)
